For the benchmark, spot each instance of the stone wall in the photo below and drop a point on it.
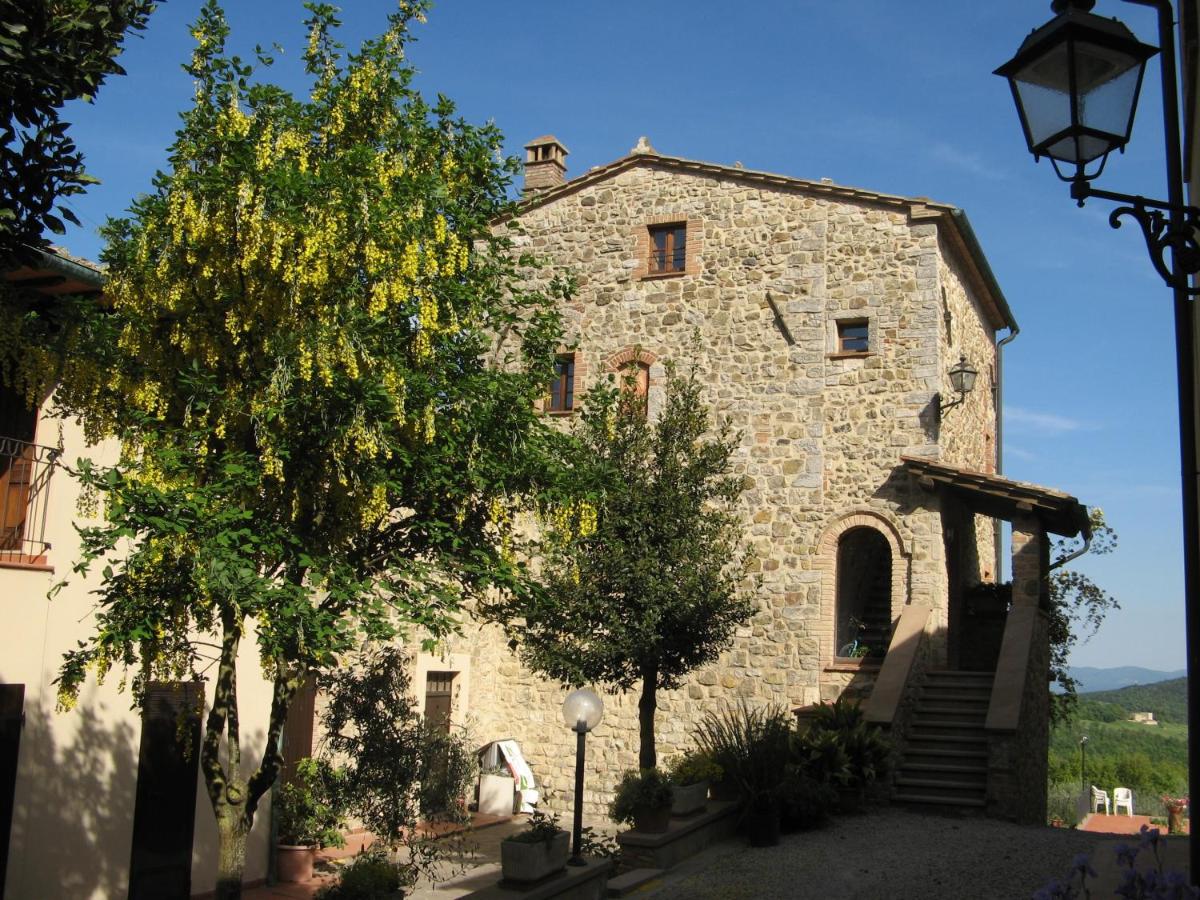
(822, 431)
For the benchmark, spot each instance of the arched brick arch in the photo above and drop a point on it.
(827, 554)
(628, 355)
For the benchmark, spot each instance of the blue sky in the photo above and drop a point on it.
(892, 97)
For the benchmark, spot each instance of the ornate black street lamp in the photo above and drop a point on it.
(582, 711)
(1075, 81)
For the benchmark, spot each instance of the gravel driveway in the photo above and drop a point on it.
(884, 854)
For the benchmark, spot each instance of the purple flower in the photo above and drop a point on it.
(1127, 855)
(1083, 865)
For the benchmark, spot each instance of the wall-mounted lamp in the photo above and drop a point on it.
(962, 380)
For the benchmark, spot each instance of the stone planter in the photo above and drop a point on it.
(294, 865)
(524, 863)
(689, 799)
(652, 821)
(496, 795)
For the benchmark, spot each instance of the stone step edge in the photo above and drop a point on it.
(973, 787)
(630, 881)
(938, 801)
(937, 767)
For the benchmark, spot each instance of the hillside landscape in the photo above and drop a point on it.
(1149, 758)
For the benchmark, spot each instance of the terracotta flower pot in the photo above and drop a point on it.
(294, 865)
(1175, 819)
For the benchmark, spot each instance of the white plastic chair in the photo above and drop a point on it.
(1122, 797)
(1100, 798)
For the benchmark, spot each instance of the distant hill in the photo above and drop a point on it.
(1166, 699)
(1092, 679)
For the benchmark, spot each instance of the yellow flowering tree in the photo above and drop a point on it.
(645, 579)
(321, 442)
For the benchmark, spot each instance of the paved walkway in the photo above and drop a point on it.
(1106, 824)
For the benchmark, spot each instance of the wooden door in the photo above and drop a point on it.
(160, 866)
(12, 717)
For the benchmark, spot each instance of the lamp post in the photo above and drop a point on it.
(1083, 782)
(1075, 81)
(582, 711)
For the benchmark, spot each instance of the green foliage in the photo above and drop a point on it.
(50, 53)
(371, 875)
(645, 790)
(390, 752)
(750, 745)
(805, 802)
(644, 575)
(1166, 699)
(540, 829)
(309, 807)
(322, 442)
(1077, 607)
(693, 768)
(841, 747)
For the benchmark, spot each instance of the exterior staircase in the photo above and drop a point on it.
(945, 755)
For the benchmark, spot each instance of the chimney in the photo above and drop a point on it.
(545, 165)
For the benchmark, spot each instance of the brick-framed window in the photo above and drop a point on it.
(668, 246)
(853, 336)
(562, 386)
(668, 249)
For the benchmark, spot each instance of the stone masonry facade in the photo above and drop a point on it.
(774, 266)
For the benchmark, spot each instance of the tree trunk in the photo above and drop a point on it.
(647, 704)
(232, 830)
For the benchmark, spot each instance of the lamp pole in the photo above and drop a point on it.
(1099, 53)
(582, 711)
(1083, 742)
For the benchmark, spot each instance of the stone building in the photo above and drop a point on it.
(828, 320)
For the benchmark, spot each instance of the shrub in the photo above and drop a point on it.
(751, 746)
(369, 876)
(309, 808)
(821, 756)
(542, 829)
(693, 768)
(640, 791)
(804, 801)
(446, 772)
(840, 715)
(840, 747)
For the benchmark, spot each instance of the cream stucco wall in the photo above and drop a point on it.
(77, 771)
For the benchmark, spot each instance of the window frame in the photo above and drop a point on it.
(676, 256)
(842, 340)
(560, 399)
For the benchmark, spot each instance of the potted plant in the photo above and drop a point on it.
(690, 775)
(497, 791)
(1176, 807)
(753, 746)
(535, 853)
(308, 816)
(644, 800)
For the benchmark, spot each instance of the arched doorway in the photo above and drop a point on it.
(863, 621)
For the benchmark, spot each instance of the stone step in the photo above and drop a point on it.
(959, 673)
(961, 699)
(951, 755)
(941, 743)
(941, 787)
(928, 769)
(951, 713)
(927, 799)
(630, 881)
(923, 729)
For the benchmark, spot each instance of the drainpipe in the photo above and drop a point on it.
(1087, 542)
(998, 400)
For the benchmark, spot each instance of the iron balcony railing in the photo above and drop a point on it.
(25, 471)
(668, 260)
